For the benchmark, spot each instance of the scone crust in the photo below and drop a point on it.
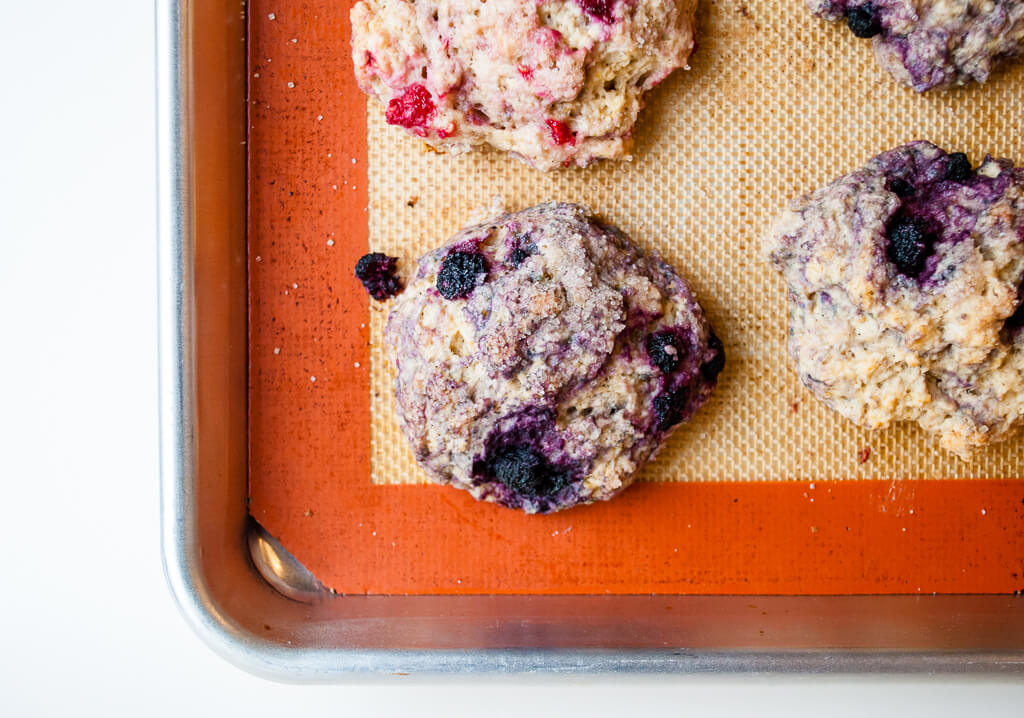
(942, 348)
(554, 82)
(547, 352)
(939, 43)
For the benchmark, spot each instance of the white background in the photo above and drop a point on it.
(87, 625)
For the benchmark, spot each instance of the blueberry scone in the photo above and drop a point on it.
(934, 43)
(554, 82)
(542, 358)
(905, 293)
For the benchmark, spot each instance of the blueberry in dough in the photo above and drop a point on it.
(460, 272)
(958, 167)
(908, 245)
(525, 472)
(665, 349)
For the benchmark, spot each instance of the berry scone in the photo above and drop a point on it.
(905, 294)
(554, 82)
(934, 43)
(542, 358)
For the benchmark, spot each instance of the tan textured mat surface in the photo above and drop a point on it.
(776, 103)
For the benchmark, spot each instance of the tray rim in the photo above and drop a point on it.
(202, 600)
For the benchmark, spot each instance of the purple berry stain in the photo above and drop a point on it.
(414, 108)
(377, 273)
(460, 273)
(525, 454)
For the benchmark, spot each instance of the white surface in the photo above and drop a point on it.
(88, 627)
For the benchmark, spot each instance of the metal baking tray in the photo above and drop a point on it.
(256, 606)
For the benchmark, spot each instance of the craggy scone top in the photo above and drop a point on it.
(555, 82)
(905, 293)
(934, 43)
(542, 358)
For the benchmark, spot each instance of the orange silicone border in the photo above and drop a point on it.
(309, 418)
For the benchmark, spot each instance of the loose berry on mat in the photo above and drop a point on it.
(665, 350)
(414, 108)
(377, 273)
(958, 167)
(908, 245)
(460, 273)
(863, 21)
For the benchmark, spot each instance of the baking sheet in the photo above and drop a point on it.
(776, 103)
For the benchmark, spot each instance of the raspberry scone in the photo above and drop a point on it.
(554, 82)
(905, 294)
(934, 43)
(542, 358)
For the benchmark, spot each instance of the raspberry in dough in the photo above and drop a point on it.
(542, 358)
(905, 294)
(934, 43)
(554, 82)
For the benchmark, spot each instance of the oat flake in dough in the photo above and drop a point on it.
(905, 298)
(542, 358)
(554, 82)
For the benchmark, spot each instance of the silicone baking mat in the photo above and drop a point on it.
(765, 491)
